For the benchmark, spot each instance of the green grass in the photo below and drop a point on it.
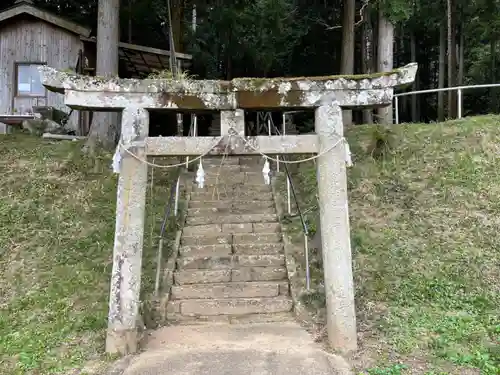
(57, 210)
(424, 234)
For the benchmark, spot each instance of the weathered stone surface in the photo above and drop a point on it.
(237, 228)
(284, 289)
(231, 187)
(258, 274)
(209, 203)
(205, 262)
(261, 318)
(205, 250)
(196, 276)
(266, 227)
(225, 203)
(225, 262)
(218, 161)
(180, 319)
(245, 210)
(230, 219)
(248, 195)
(197, 230)
(238, 93)
(262, 248)
(206, 240)
(256, 238)
(236, 306)
(260, 260)
(226, 290)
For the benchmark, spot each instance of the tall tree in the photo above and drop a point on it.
(104, 129)
(348, 37)
(367, 55)
(452, 57)
(385, 57)
(442, 70)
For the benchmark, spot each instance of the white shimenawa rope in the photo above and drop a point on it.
(314, 157)
(328, 149)
(121, 145)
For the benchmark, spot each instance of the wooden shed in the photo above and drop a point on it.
(30, 37)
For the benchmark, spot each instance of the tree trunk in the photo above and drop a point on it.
(177, 17)
(129, 26)
(442, 71)
(414, 98)
(104, 129)
(347, 60)
(385, 59)
(452, 60)
(493, 54)
(367, 57)
(461, 57)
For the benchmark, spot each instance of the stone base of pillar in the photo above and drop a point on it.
(122, 342)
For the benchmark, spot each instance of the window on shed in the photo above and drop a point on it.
(28, 80)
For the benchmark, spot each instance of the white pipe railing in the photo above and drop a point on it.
(459, 90)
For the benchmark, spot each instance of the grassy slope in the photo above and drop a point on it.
(426, 249)
(56, 244)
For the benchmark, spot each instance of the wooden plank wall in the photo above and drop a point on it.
(32, 40)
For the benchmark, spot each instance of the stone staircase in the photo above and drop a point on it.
(231, 264)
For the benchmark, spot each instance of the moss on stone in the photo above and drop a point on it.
(356, 77)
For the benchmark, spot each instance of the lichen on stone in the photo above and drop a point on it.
(240, 92)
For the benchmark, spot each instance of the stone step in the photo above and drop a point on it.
(223, 187)
(206, 240)
(215, 229)
(257, 238)
(255, 179)
(236, 210)
(196, 276)
(256, 249)
(230, 319)
(229, 306)
(232, 195)
(211, 160)
(224, 203)
(231, 219)
(237, 238)
(206, 250)
(217, 262)
(230, 290)
(228, 249)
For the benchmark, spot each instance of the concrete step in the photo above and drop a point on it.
(256, 238)
(206, 250)
(217, 229)
(225, 203)
(247, 195)
(237, 238)
(231, 219)
(230, 319)
(229, 306)
(245, 210)
(256, 249)
(230, 290)
(224, 187)
(228, 249)
(233, 160)
(217, 262)
(206, 240)
(197, 276)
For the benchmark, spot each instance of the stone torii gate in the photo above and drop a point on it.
(326, 95)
